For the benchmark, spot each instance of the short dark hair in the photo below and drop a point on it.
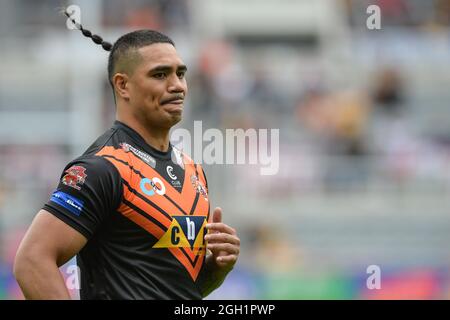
(124, 45)
(132, 41)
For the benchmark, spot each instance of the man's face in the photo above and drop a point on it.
(158, 87)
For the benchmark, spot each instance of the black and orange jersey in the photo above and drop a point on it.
(143, 212)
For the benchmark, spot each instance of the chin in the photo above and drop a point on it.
(176, 119)
(173, 120)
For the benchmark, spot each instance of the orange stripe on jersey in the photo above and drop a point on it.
(141, 221)
(190, 253)
(199, 251)
(137, 163)
(133, 186)
(193, 270)
(184, 200)
(181, 199)
(200, 174)
(110, 150)
(134, 182)
(164, 219)
(188, 188)
(202, 206)
(194, 253)
(124, 172)
(153, 212)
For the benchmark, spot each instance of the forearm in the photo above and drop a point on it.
(213, 277)
(40, 280)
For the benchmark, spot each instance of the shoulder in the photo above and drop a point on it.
(91, 168)
(93, 162)
(108, 152)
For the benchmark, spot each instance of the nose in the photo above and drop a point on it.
(177, 85)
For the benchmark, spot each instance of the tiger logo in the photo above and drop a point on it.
(75, 177)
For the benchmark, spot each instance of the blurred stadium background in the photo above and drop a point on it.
(364, 131)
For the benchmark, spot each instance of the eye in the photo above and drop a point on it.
(159, 75)
(181, 74)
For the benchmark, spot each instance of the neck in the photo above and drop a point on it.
(156, 137)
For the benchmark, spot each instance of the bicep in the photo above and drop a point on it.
(52, 238)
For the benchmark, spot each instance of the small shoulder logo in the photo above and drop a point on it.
(186, 232)
(169, 170)
(75, 177)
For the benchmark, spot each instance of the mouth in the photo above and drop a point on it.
(177, 101)
(174, 106)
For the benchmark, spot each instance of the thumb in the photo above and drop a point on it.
(217, 215)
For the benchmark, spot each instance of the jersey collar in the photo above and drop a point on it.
(142, 143)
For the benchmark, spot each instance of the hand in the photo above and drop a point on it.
(222, 241)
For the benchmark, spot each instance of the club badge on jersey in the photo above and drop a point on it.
(199, 187)
(75, 177)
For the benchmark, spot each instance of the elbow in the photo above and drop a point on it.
(22, 265)
(30, 261)
(25, 263)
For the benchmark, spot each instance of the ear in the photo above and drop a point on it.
(121, 85)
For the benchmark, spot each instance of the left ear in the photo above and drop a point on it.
(121, 85)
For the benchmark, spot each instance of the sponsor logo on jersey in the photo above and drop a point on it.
(199, 187)
(176, 184)
(75, 177)
(152, 186)
(142, 155)
(67, 201)
(184, 231)
(169, 170)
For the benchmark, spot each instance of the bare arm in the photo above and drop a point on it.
(48, 244)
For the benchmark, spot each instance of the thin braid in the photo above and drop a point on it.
(95, 38)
